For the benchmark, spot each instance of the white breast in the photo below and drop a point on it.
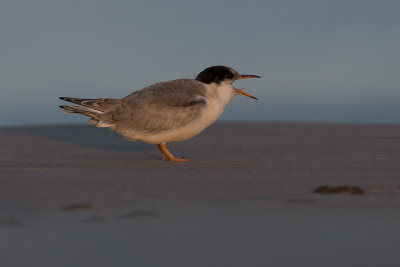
(217, 99)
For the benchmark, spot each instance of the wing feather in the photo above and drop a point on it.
(159, 107)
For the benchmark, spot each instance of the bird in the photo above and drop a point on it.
(165, 112)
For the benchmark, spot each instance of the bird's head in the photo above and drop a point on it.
(221, 76)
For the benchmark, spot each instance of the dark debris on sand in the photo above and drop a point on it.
(138, 214)
(351, 190)
(78, 206)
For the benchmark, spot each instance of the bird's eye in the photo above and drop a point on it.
(229, 75)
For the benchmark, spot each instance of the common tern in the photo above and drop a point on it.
(165, 112)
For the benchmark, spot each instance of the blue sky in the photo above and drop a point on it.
(331, 61)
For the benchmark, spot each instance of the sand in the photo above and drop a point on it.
(83, 196)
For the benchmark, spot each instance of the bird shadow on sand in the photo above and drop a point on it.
(82, 135)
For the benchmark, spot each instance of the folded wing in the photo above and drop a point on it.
(159, 107)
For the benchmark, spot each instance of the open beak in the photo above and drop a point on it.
(241, 92)
(247, 76)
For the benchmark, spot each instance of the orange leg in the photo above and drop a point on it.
(167, 155)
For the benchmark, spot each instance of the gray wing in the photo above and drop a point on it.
(159, 107)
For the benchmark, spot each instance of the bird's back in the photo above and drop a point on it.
(158, 109)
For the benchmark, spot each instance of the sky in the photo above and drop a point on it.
(320, 60)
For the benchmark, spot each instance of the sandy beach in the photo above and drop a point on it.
(83, 196)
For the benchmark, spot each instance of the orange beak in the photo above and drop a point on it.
(247, 76)
(241, 92)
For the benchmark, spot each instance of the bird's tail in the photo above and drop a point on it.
(92, 108)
